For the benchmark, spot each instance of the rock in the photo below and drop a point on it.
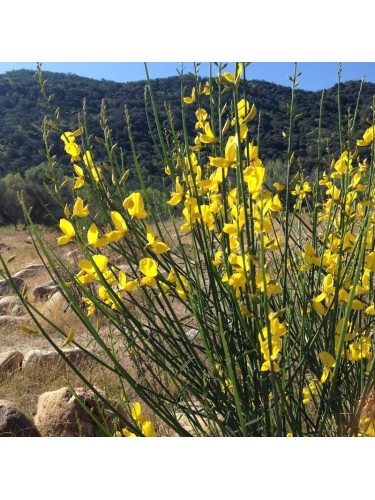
(60, 414)
(44, 292)
(29, 271)
(13, 423)
(8, 320)
(74, 255)
(10, 361)
(192, 334)
(11, 304)
(39, 358)
(6, 286)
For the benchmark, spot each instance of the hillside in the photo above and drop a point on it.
(21, 118)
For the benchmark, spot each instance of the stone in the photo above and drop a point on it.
(9, 321)
(11, 304)
(6, 286)
(192, 334)
(59, 414)
(44, 292)
(14, 423)
(29, 271)
(10, 361)
(40, 358)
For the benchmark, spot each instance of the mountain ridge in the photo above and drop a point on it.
(22, 116)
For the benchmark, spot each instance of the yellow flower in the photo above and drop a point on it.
(148, 429)
(368, 137)
(254, 176)
(309, 392)
(127, 286)
(159, 247)
(329, 362)
(127, 433)
(69, 137)
(135, 206)
(80, 179)
(79, 210)
(192, 99)
(68, 230)
(93, 237)
(120, 225)
(228, 79)
(176, 195)
(245, 112)
(136, 411)
(230, 155)
(201, 115)
(73, 150)
(208, 135)
(148, 267)
(310, 257)
(206, 89)
(100, 261)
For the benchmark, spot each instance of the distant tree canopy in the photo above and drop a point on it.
(21, 143)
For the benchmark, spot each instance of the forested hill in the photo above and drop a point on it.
(21, 116)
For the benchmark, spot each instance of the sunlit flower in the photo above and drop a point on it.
(329, 363)
(148, 267)
(135, 206)
(79, 209)
(68, 230)
(158, 246)
(191, 99)
(368, 137)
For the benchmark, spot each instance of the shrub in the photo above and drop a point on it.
(249, 311)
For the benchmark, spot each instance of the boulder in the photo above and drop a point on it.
(39, 358)
(13, 423)
(10, 305)
(44, 292)
(59, 414)
(6, 286)
(10, 361)
(9, 321)
(29, 271)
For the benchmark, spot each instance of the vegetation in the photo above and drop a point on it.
(249, 310)
(22, 111)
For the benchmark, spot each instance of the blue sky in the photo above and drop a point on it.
(315, 75)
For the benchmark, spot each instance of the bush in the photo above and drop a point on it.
(239, 314)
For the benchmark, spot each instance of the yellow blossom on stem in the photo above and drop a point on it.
(80, 179)
(68, 230)
(254, 177)
(120, 225)
(192, 98)
(148, 429)
(310, 257)
(69, 137)
(79, 209)
(201, 115)
(158, 247)
(246, 113)
(135, 206)
(148, 267)
(368, 136)
(329, 362)
(73, 150)
(93, 237)
(208, 135)
(230, 155)
(176, 195)
(206, 89)
(309, 392)
(126, 285)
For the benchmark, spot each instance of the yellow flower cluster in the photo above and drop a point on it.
(146, 426)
